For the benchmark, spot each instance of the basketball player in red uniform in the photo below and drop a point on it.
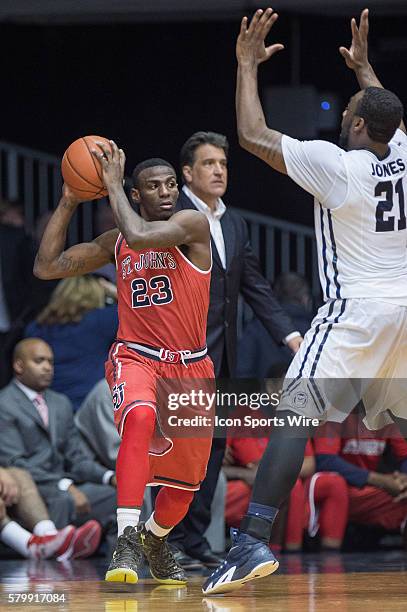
(163, 265)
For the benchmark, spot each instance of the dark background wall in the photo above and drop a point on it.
(149, 86)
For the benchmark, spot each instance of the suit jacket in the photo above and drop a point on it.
(242, 275)
(49, 454)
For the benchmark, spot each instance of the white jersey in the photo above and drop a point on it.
(360, 216)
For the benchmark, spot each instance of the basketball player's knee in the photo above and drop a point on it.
(178, 497)
(172, 505)
(140, 421)
(186, 498)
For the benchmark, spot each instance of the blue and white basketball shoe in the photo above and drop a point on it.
(248, 559)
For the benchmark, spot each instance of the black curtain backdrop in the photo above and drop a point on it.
(149, 86)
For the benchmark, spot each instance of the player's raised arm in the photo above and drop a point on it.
(254, 135)
(52, 261)
(357, 57)
(183, 228)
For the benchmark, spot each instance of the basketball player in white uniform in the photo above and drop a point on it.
(357, 345)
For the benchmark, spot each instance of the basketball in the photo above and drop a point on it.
(81, 170)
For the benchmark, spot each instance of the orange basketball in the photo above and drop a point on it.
(82, 170)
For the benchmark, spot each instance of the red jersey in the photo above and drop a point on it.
(251, 450)
(352, 441)
(163, 299)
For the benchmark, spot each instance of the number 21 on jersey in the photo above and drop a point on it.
(390, 193)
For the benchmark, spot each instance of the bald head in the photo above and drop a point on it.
(33, 363)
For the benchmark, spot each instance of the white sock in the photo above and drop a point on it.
(152, 526)
(127, 517)
(45, 527)
(16, 537)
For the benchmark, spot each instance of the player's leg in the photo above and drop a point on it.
(132, 381)
(250, 556)
(132, 474)
(171, 506)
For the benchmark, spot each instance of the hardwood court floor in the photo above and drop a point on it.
(306, 583)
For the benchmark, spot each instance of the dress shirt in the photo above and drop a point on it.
(214, 217)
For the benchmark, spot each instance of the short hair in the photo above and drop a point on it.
(149, 163)
(291, 288)
(382, 111)
(187, 155)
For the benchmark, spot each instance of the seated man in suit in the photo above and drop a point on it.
(37, 433)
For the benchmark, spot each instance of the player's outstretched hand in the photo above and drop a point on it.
(112, 161)
(250, 48)
(356, 57)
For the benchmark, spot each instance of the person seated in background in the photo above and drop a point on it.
(257, 351)
(95, 422)
(25, 525)
(22, 296)
(37, 433)
(355, 452)
(80, 329)
(318, 505)
(240, 467)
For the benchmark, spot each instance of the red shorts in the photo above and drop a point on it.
(181, 444)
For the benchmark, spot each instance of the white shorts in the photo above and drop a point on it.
(356, 349)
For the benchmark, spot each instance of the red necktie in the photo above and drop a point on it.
(42, 408)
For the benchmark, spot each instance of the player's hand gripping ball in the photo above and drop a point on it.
(82, 171)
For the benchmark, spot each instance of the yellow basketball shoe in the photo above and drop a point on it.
(163, 566)
(127, 557)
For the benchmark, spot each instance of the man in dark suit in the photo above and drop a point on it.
(235, 270)
(37, 433)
